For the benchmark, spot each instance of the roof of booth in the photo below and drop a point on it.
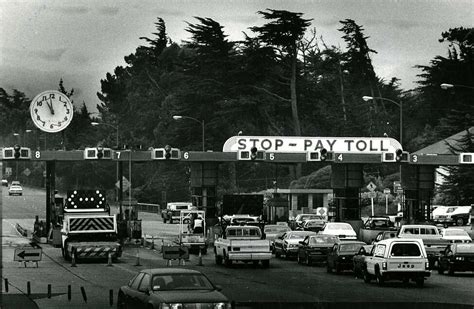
(442, 147)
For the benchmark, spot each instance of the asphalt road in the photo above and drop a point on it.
(284, 284)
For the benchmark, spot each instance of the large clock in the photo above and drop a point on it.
(51, 111)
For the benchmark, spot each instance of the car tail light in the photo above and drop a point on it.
(384, 265)
(427, 265)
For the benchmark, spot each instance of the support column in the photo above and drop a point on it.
(418, 186)
(50, 186)
(204, 179)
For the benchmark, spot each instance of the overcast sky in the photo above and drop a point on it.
(80, 41)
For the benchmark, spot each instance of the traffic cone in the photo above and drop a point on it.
(200, 257)
(109, 260)
(73, 258)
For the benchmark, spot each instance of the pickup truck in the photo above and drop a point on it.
(431, 237)
(397, 259)
(373, 226)
(242, 243)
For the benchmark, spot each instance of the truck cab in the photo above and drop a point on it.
(172, 212)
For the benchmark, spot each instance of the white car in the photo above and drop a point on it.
(15, 190)
(340, 229)
(456, 235)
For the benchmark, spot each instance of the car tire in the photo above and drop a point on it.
(459, 221)
(440, 269)
(308, 261)
(366, 276)
(298, 259)
(164, 220)
(121, 301)
(450, 270)
(338, 268)
(328, 268)
(277, 254)
(218, 259)
(227, 261)
(355, 272)
(420, 282)
(171, 221)
(379, 278)
(266, 263)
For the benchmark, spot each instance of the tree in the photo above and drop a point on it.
(458, 183)
(283, 34)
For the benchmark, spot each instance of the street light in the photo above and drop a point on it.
(177, 117)
(93, 123)
(446, 86)
(367, 98)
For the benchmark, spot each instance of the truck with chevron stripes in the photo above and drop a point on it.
(89, 231)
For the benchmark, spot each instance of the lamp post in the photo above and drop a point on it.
(446, 86)
(399, 104)
(93, 123)
(177, 117)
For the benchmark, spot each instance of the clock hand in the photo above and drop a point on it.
(50, 105)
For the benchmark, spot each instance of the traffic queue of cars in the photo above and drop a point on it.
(388, 256)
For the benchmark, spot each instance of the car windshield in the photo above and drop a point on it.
(465, 248)
(339, 227)
(169, 282)
(276, 229)
(322, 240)
(405, 250)
(350, 247)
(455, 233)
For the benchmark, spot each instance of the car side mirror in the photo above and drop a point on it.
(218, 287)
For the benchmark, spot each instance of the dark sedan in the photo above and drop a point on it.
(359, 260)
(314, 248)
(457, 257)
(341, 254)
(171, 288)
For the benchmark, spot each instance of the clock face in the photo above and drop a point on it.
(51, 111)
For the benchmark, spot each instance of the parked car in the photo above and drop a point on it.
(272, 231)
(341, 254)
(314, 248)
(171, 288)
(4, 183)
(15, 190)
(340, 229)
(384, 235)
(398, 259)
(455, 235)
(287, 244)
(359, 264)
(457, 257)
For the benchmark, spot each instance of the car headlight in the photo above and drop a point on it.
(222, 306)
(292, 246)
(459, 258)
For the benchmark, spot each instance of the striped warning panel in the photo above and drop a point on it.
(95, 252)
(91, 224)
